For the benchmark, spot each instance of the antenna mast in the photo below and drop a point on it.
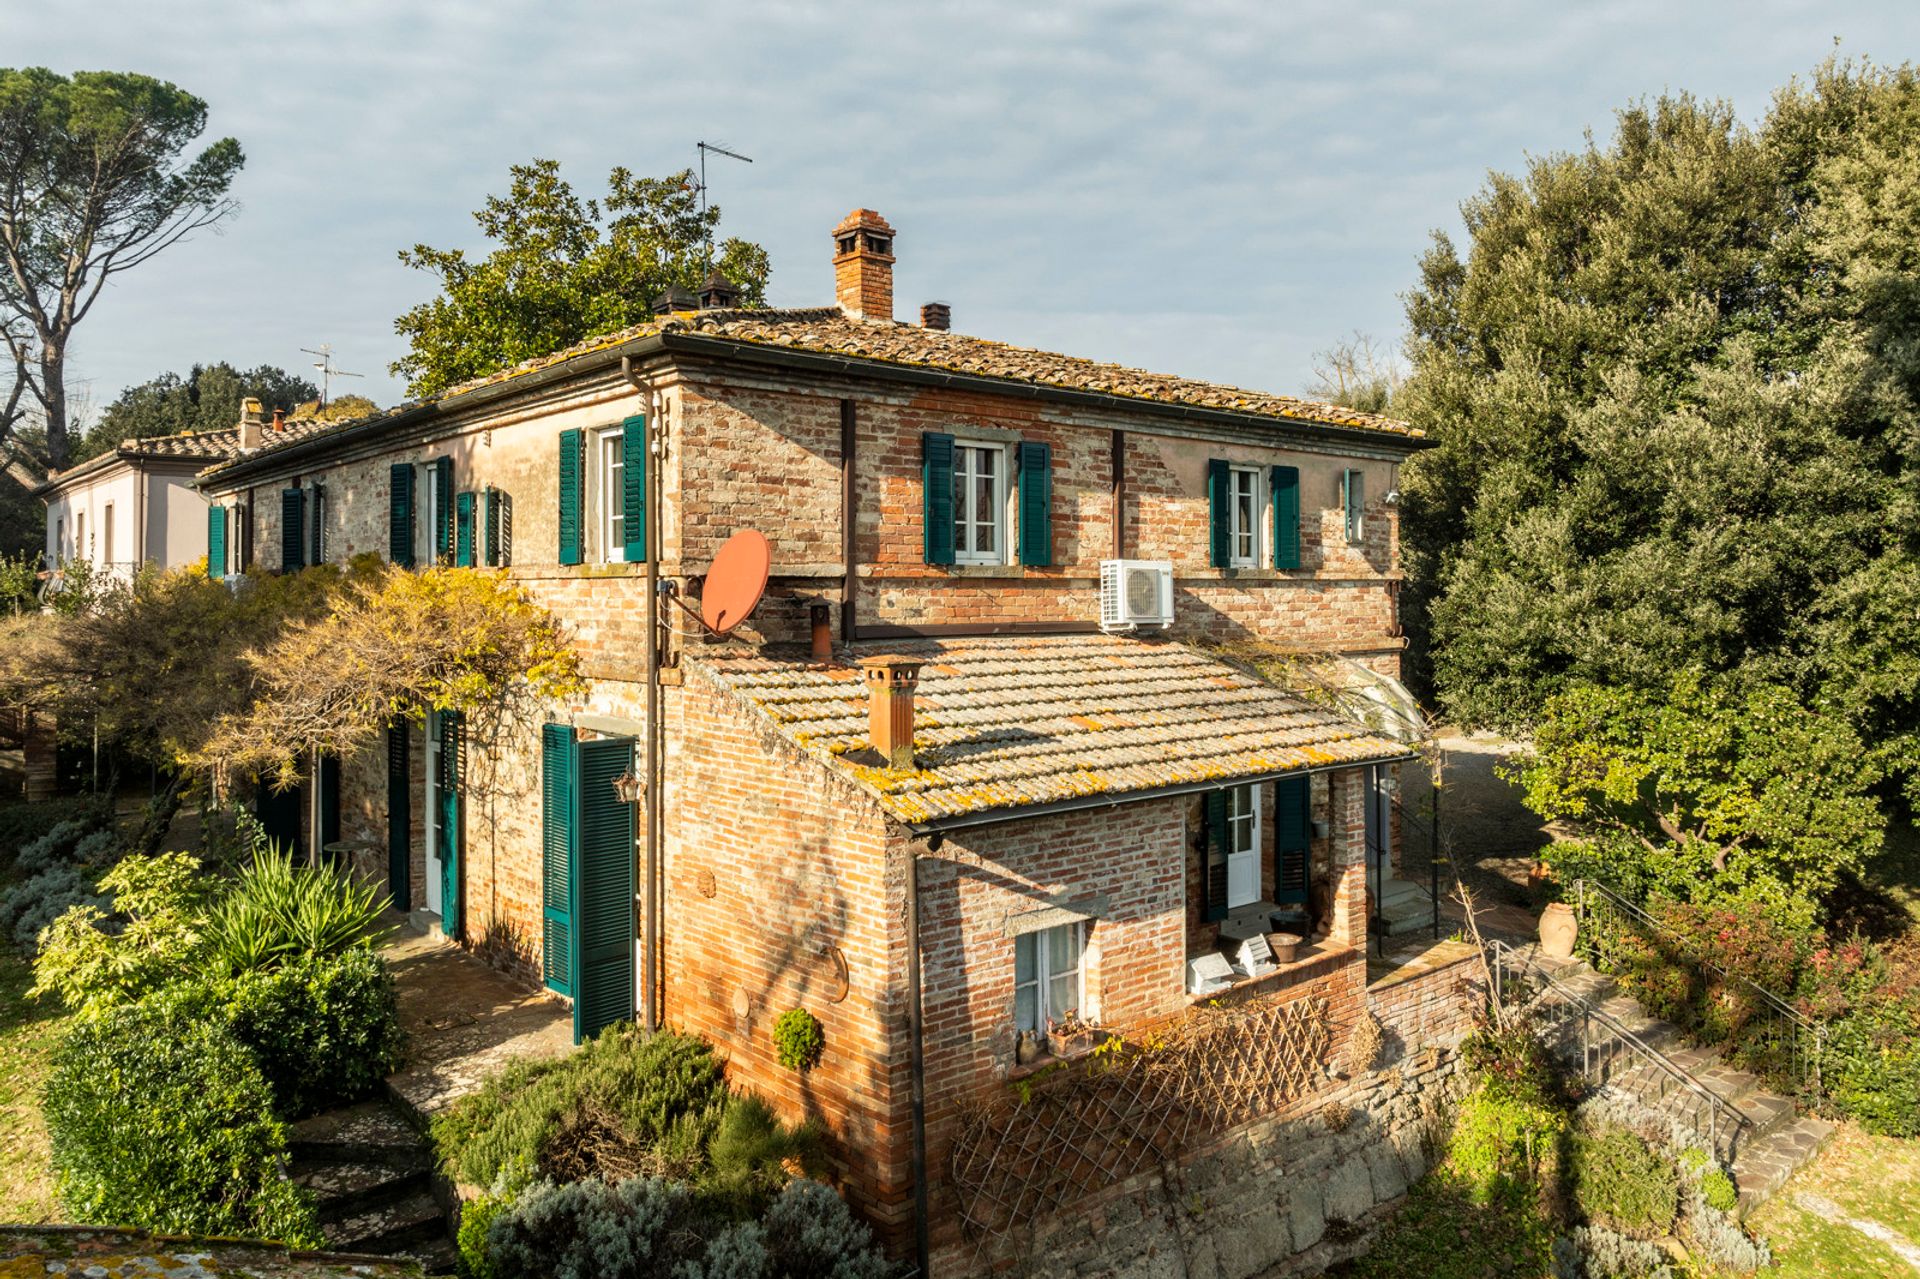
(717, 149)
(327, 371)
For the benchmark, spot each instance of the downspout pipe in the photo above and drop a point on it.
(916, 1057)
(647, 857)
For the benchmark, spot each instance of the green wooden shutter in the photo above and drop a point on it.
(452, 774)
(400, 514)
(936, 485)
(572, 463)
(463, 530)
(1219, 529)
(293, 504)
(1285, 482)
(217, 542)
(556, 856)
(1291, 843)
(489, 526)
(633, 487)
(1213, 865)
(604, 888)
(1036, 503)
(443, 511)
(399, 818)
(317, 550)
(329, 805)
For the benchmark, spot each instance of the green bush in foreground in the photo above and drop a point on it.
(161, 1120)
(1620, 1183)
(93, 962)
(277, 911)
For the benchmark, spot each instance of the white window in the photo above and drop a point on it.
(81, 551)
(60, 541)
(106, 537)
(979, 503)
(613, 496)
(1353, 498)
(1243, 846)
(1046, 977)
(1243, 516)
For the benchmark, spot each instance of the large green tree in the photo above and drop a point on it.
(206, 399)
(94, 181)
(1676, 392)
(563, 269)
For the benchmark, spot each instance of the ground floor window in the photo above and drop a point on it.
(1046, 977)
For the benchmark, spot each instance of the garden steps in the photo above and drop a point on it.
(1773, 1143)
(371, 1175)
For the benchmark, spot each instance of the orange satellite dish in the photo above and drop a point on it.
(736, 581)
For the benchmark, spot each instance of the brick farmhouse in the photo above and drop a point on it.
(920, 792)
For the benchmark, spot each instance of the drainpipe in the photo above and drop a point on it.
(916, 1057)
(647, 858)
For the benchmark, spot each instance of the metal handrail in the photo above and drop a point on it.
(1504, 958)
(1801, 1027)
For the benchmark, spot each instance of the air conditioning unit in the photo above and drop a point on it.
(1135, 594)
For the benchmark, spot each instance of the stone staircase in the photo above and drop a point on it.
(1405, 907)
(371, 1172)
(1760, 1135)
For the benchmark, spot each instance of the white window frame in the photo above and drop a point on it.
(966, 513)
(1041, 982)
(106, 538)
(1243, 839)
(431, 530)
(1238, 533)
(610, 470)
(59, 540)
(81, 551)
(430, 828)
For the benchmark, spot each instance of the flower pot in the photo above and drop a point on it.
(1286, 946)
(1558, 928)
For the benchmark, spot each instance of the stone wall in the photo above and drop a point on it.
(1288, 1194)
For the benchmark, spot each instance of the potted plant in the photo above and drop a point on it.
(1070, 1034)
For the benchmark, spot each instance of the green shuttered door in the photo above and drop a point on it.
(292, 530)
(1036, 503)
(452, 736)
(1286, 516)
(399, 818)
(572, 464)
(1219, 539)
(1213, 865)
(1291, 838)
(604, 889)
(633, 485)
(463, 530)
(936, 486)
(217, 542)
(556, 870)
(400, 514)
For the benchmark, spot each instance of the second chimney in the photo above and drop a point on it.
(936, 315)
(890, 684)
(863, 265)
(252, 418)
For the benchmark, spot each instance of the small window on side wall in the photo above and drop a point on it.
(1353, 504)
(1047, 986)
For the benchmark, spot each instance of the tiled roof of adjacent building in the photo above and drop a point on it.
(192, 446)
(1011, 723)
(829, 331)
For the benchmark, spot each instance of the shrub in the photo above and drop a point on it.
(476, 1220)
(798, 1039)
(1719, 1191)
(661, 1094)
(277, 910)
(1599, 1253)
(645, 1226)
(93, 963)
(161, 1120)
(22, 824)
(28, 908)
(1505, 1148)
(752, 1154)
(1622, 1184)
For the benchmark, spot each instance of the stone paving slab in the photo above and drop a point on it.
(370, 1130)
(415, 1219)
(464, 1021)
(106, 1253)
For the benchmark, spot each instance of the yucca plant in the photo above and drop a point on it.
(278, 911)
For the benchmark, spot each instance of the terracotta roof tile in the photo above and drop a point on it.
(1010, 722)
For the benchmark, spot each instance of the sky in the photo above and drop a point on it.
(1219, 190)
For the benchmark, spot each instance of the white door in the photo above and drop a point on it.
(432, 826)
(1243, 843)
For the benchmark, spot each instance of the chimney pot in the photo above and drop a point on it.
(279, 419)
(890, 685)
(936, 315)
(863, 265)
(675, 299)
(822, 648)
(252, 418)
(718, 293)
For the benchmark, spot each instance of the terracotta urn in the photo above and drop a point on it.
(1558, 928)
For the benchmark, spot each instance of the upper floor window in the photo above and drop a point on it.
(979, 503)
(1046, 977)
(610, 495)
(1243, 513)
(106, 534)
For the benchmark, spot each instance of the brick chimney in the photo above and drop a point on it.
(890, 684)
(936, 315)
(863, 265)
(253, 417)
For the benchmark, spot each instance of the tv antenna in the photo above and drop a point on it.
(701, 187)
(327, 371)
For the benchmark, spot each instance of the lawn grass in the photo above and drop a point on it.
(1873, 1178)
(28, 1030)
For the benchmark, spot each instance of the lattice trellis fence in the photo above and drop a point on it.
(1120, 1113)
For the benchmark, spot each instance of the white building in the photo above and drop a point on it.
(134, 505)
